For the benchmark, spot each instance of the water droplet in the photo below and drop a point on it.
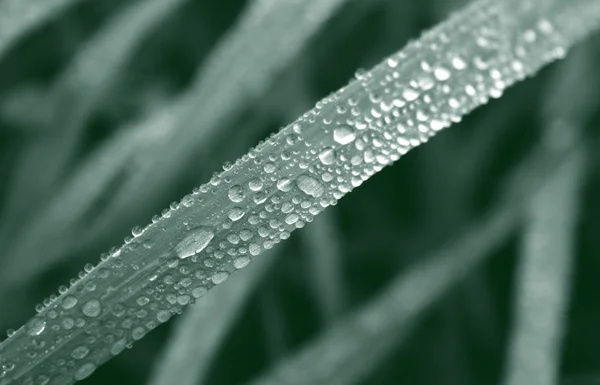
(327, 156)
(254, 249)
(194, 242)
(284, 184)
(236, 213)
(80, 352)
(241, 262)
(219, 276)
(36, 326)
(69, 302)
(236, 193)
(92, 308)
(118, 347)
(255, 184)
(441, 74)
(84, 371)
(344, 135)
(310, 186)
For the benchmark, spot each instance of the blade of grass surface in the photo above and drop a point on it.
(543, 281)
(285, 181)
(82, 86)
(19, 17)
(269, 35)
(199, 333)
(544, 275)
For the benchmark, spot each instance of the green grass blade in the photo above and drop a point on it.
(77, 93)
(544, 279)
(19, 17)
(268, 36)
(544, 275)
(199, 333)
(284, 182)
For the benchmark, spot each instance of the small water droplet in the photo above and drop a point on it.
(80, 352)
(284, 185)
(69, 302)
(236, 193)
(236, 213)
(327, 156)
(344, 135)
(441, 74)
(36, 326)
(219, 277)
(92, 308)
(194, 242)
(310, 186)
(84, 371)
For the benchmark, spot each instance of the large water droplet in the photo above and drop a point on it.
(80, 352)
(194, 242)
(236, 193)
(344, 135)
(36, 326)
(327, 156)
(84, 371)
(310, 186)
(92, 308)
(69, 302)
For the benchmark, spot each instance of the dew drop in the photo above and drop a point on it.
(327, 156)
(84, 371)
(344, 135)
(284, 185)
(310, 186)
(80, 352)
(194, 242)
(36, 326)
(236, 194)
(241, 262)
(92, 308)
(255, 184)
(236, 213)
(441, 74)
(69, 302)
(219, 277)
(118, 347)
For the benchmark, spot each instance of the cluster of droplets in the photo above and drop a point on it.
(277, 187)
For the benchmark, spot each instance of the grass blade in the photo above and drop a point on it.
(77, 93)
(284, 182)
(544, 275)
(19, 17)
(132, 153)
(201, 330)
(543, 281)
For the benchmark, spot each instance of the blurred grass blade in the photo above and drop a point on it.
(200, 332)
(283, 183)
(19, 17)
(77, 93)
(349, 350)
(544, 280)
(324, 253)
(544, 275)
(268, 36)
